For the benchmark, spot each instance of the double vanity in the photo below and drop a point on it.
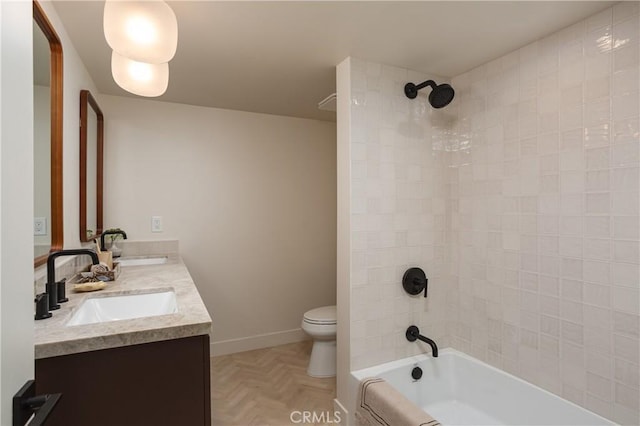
(134, 353)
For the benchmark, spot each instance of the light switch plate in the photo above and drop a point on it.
(39, 226)
(156, 223)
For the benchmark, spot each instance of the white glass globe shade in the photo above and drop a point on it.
(145, 31)
(140, 78)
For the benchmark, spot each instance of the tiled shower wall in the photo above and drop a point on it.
(521, 202)
(544, 175)
(398, 213)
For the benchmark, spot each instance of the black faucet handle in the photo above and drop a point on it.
(52, 293)
(62, 291)
(42, 306)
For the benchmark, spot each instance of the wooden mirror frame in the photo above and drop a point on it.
(57, 221)
(86, 100)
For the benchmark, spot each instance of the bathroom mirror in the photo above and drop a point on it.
(47, 137)
(91, 157)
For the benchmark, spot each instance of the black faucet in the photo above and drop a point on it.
(413, 334)
(56, 290)
(111, 232)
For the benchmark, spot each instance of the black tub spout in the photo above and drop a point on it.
(413, 334)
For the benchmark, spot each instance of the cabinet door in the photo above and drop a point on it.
(159, 383)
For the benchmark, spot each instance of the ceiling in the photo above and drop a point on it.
(280, 57)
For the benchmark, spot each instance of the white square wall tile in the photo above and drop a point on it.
(626, 81)
(597, 136)
(626, 348)
(626, 32)
(627, 396)
(600, 20)
(597, 248)
(625, 57)
(626, 131)
(596, 271)
(598, 41)
(625, 203)
(625, 154)
(600, 387)
(626, 251)
(598, 66)
(572, 182)
(626, 227)
(626, 274)
(597, 203)
(626, 299)
(597, 181)
(597, 88)
(626, 324)
(570, 246)
(597, 226)
(571, 118)
(571, 268)
(627, 373)
(597, 316)
(625, 179)
(597, 295)
(625, 105)
(597, 158)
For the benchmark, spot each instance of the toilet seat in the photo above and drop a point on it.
(325, 315)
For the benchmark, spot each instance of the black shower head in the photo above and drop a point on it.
(441, 94)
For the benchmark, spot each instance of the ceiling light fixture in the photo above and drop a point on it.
(139, 78)
(144, 38)
(145, 31)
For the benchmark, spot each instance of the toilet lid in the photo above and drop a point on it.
(323, 315)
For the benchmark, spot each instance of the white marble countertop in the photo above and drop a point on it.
(54, 338)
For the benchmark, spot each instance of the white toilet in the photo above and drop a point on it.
(320, 324)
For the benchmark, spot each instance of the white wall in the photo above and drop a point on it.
(16, 201)
(251, 197)
(545, 178)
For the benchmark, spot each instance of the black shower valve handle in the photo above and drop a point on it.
(421, 283)
(415, 281)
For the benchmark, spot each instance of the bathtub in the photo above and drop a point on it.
(457, 389)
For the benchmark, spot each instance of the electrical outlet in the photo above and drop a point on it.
(39, 226)
(156, 223)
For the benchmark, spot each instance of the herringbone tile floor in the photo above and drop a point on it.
(263, 387)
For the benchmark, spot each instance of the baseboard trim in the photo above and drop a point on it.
(231, 346)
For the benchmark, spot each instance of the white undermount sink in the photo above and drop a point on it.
(124, 306)
(142, 261)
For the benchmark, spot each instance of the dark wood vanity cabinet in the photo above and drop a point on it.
(159, 383)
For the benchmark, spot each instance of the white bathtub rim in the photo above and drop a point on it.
(376, 370)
